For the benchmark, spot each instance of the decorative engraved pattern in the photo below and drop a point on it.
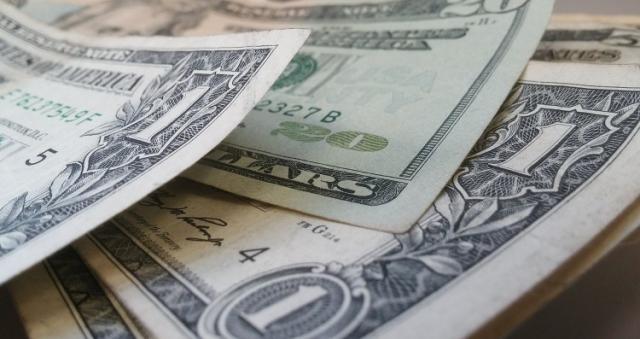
(466, 224)
(87, 297)
(171, 292)
(607, 45)
(119, 159)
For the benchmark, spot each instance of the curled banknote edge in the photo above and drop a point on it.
(88, 126)
(373, 115)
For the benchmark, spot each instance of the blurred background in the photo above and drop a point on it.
(604, 303)
(626, 7)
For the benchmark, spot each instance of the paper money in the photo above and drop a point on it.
(198, 262)
(586, 39)
(89, 126)
(62, 299)
(375, 113)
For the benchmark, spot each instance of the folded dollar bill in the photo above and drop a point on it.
(88, 126)
(533, 195)
(374, 114)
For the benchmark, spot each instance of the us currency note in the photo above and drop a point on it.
(89, 126)
(376, 111)
(198, 262)
(586, 39)
(62, 299)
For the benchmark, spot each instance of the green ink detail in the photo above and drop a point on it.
(301, 132)
(358, 141)
(301, 67)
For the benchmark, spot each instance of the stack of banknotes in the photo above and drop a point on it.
(308, 169)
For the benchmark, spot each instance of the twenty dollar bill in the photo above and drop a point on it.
(375, 113)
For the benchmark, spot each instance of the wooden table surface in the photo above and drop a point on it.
(605, 303)
(626, 7)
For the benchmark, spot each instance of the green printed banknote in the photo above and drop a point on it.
(372, 116)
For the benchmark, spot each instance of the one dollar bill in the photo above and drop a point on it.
(197, 262)
(374, 114)
(89, 126)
